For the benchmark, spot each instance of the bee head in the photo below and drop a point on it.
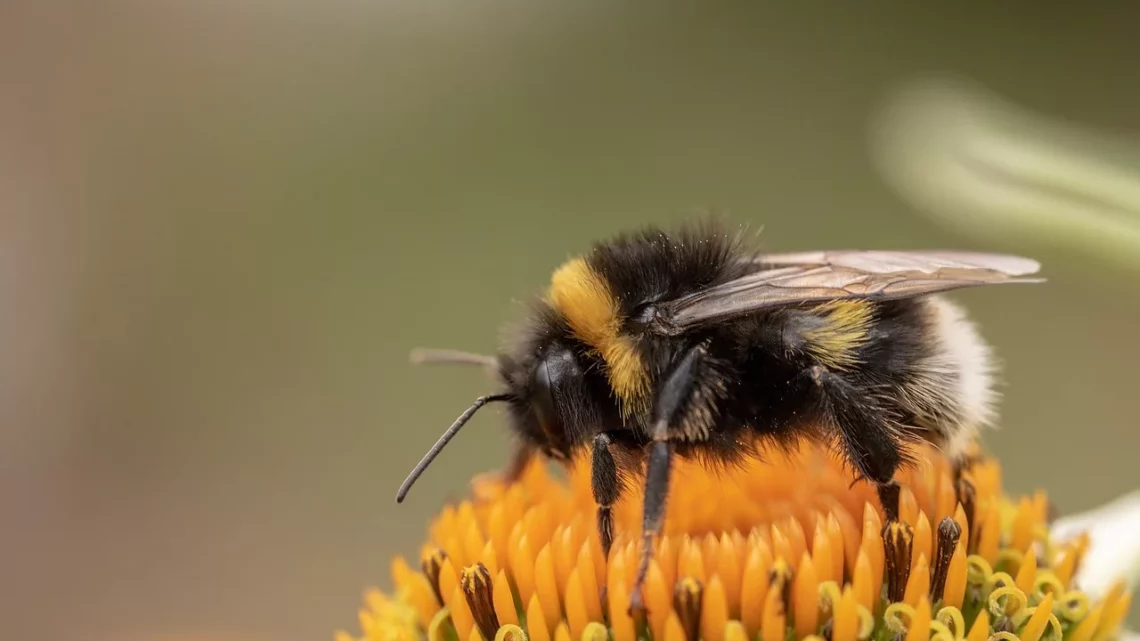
(552, 402)
(547, 393)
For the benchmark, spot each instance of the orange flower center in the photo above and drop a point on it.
(787, 546)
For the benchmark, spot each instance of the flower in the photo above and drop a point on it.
(783, 549)
(1114, 554)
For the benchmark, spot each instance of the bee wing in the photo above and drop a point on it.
(881, 262)
(809, 277)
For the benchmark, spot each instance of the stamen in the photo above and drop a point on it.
(780, 582)
(432, 564)
(953, 620)
(687, 603)
(479, 592)
(510, 632)
(897, 539)
(968, 499)
(948, 534)
(594, 632)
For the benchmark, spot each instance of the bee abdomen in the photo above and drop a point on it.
(950, 387)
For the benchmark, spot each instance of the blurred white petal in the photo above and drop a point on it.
(1129, 635)
(1114, 543)
(988, 168)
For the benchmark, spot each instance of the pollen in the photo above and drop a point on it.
(786, 549)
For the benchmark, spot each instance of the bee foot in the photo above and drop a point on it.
(637, 609)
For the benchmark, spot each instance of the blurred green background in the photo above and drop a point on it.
(223, 226)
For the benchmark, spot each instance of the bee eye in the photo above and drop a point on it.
(557, 380)
(543, 399)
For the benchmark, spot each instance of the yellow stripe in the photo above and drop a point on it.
(844, 330)
(584, 298)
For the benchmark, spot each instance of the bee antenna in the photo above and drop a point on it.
(425, 356)
(447, 435)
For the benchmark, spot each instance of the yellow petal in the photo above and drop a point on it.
(964, 525)
(690, 561)
(714, 610)
(1065, 564)
(821, 554)
(576, 615)
(754, 587)
(1087, 628)
(990, 534)
(838, 548)
(862, 585)
(734, 631)
(796, 538)
(489, 558)
(1035, 626)
(805, 594)
(461, 616)
(845, 622)
(564, 554)
(546, 587)
(922, 544)
(919, 629)
(620, 621)
(1114, 613)
(562, 632)
(590, 587)
(658, 598)
(955, 593)
(981, 628)
(504, 601)
(673, 630)
(908, 506)
(774, 622)
(448, 580)
(1027, 573)
(536, 622)
(1022, 536)
(918, 584)
(729, 569)
(849, 532)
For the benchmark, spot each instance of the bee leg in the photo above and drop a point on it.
(607, 488)
(675, 392)
(871, 444)
(656, 491)
(889, 497)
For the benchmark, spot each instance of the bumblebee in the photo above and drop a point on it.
(684, 343)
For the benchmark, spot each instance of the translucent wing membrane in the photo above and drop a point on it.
(811, 277)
